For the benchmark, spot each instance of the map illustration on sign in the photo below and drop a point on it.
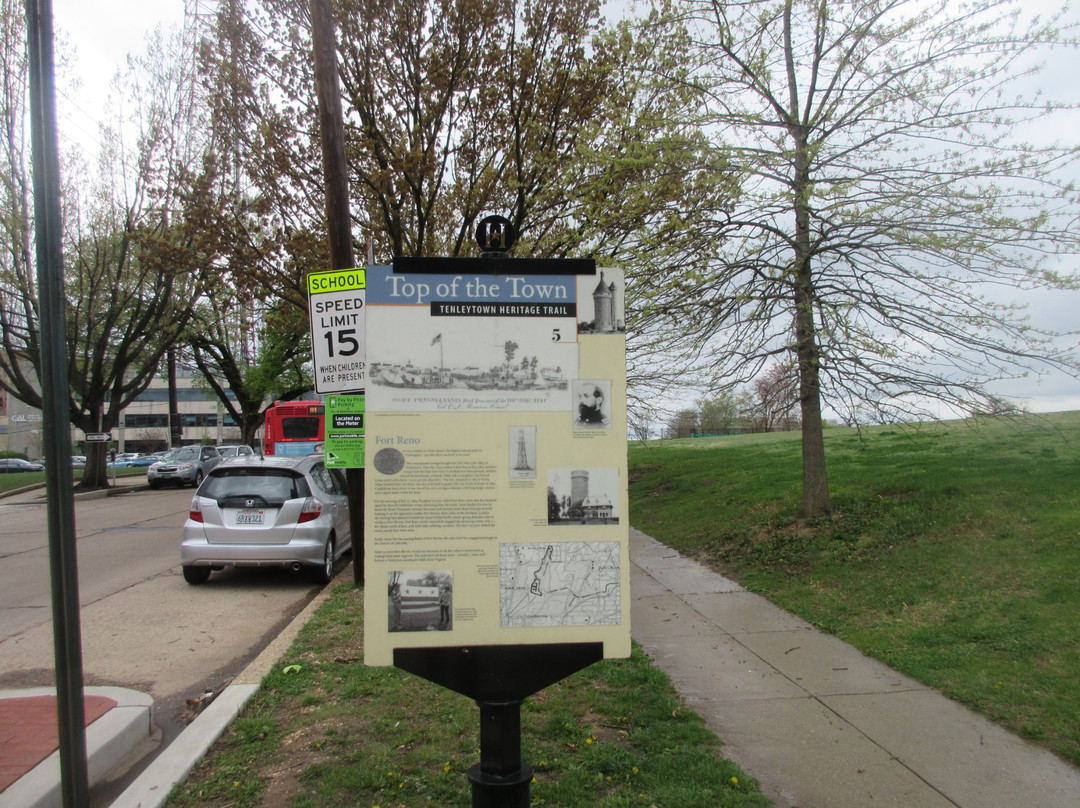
(559, 584)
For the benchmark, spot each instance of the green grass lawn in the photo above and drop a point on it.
(953, 553)
(22, 479)
(12, 482)
(325, 730)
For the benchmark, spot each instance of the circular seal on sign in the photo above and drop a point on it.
(495, 234)
(389, 461)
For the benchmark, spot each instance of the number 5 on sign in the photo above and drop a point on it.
(336, 311)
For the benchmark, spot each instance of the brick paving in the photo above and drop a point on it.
(29, 734)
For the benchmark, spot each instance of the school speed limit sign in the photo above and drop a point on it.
(336, 310)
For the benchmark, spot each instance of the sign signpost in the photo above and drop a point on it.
(497, 540)
(336, 309)
(337, 315)
(496, 430)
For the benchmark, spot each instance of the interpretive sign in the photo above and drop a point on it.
(344, 444)
(336, 313)
(495, 496)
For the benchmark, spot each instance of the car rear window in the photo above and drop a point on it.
(269, 485)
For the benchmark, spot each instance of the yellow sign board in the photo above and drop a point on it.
(496, 506)
(336, 280)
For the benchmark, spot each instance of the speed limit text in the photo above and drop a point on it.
(338, 312)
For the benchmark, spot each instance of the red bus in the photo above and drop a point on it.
(293, 427)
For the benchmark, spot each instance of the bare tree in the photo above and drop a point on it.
(887, 196)
(775, 396)
(250, 357)
(641, 420)
(682, 424)
(130, 279)
(540, 110)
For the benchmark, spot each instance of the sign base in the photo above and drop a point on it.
(499, 678)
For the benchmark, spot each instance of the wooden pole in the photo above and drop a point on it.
(338, 220)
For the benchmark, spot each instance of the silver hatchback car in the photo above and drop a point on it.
(184, 465)
(257, 511)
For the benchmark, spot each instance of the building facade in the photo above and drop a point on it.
(144, 425)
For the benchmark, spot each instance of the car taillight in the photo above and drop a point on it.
(312, 509)
(195, 514)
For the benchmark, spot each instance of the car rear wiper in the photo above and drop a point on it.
(248, 501)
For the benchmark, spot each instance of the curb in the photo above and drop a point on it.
(79, 496)
(172, 766)
(109, 740)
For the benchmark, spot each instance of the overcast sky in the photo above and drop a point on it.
(97, 36)
(103, 32)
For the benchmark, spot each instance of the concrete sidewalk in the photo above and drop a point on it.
(816, 722)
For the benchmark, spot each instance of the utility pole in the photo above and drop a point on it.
(338, 220)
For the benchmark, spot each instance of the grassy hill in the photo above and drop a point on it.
(953, 553)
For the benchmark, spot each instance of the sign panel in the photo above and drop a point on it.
(496, 506)
(97, 437)
(336, 311)
(344, 446)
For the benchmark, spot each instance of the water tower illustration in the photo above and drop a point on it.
(604, 306)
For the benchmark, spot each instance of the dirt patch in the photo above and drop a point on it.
(299, 750)
(602, 730)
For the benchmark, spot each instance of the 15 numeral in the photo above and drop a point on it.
(349, 344)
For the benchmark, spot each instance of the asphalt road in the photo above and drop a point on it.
(142, 626)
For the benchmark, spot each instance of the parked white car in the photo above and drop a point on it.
(257, 511)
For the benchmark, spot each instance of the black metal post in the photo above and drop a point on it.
(500, 780)
(499, 678)
(63, 563)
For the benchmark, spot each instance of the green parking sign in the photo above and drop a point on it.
(345, 431)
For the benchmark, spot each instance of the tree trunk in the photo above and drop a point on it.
(176, 428)
(815, 479)
(95, 476)
(249, 428)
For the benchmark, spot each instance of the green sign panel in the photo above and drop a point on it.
(345, 431)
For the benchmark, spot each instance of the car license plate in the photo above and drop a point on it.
(249, 518)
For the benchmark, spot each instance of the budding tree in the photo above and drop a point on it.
(889, 194)
(130, 279)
